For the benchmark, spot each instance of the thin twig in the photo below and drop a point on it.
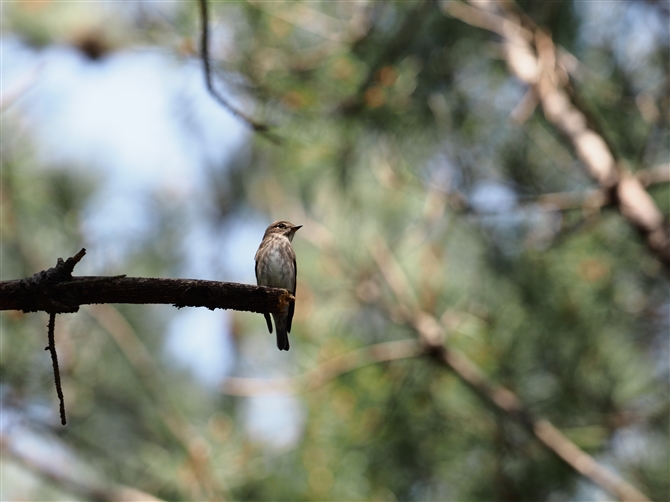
(654, 175)
(54, 361)
(258, 127)
(591, 200)
(324, 373)
(67, 478)
(19, 88)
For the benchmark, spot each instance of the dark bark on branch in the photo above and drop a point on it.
(178, 292)
(56, 291)
(54, 361)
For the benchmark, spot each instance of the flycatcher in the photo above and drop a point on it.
(276, 268)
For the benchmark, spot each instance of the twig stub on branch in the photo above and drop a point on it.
(39, 289)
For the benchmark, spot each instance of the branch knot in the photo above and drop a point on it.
(40, 288)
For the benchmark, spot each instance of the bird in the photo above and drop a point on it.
(276, 268)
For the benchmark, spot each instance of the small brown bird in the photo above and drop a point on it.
(276, 268)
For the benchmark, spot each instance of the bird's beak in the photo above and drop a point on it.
(295, 228)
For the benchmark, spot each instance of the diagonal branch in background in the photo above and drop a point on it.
(19, 87)
(65, 477)
(431, 335)
(654, 175)
(532, 57)
(258, 127)
(506, 402)
(324, 373)
(56, 291)
(597, 197)
(197, 461)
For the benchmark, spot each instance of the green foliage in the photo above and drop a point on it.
(566, 308)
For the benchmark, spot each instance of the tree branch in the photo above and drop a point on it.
(506, 402)
(532, 57)
(258, 127)
(66, 479)
(431, 342)
(54, 361)
(56, 291)
(324, 373)
(431, 335)
(598, 197)
(654, 175)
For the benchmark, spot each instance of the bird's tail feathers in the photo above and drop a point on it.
(281, 324)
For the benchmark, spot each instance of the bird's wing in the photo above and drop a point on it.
(266, 315)
(291, 307)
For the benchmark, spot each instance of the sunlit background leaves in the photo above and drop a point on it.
(399, 129)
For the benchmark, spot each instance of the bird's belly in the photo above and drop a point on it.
(277, 272)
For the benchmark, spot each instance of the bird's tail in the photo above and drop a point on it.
(281, 323)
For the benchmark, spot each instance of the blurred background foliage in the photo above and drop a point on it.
(396, 131)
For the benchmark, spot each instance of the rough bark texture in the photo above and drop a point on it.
(56, 291)
(66, 296)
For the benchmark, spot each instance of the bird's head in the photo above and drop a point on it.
(284, 228)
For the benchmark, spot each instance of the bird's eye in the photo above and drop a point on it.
(281, 225)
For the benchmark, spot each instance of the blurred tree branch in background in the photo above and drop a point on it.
(431, 335)
(597, 198)
(204, 483)
(588, 200)
(533, 58)
(256, 126)
(482, 305)
(431, 343)
(19, 88)
(324, 373)
(63, 478)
